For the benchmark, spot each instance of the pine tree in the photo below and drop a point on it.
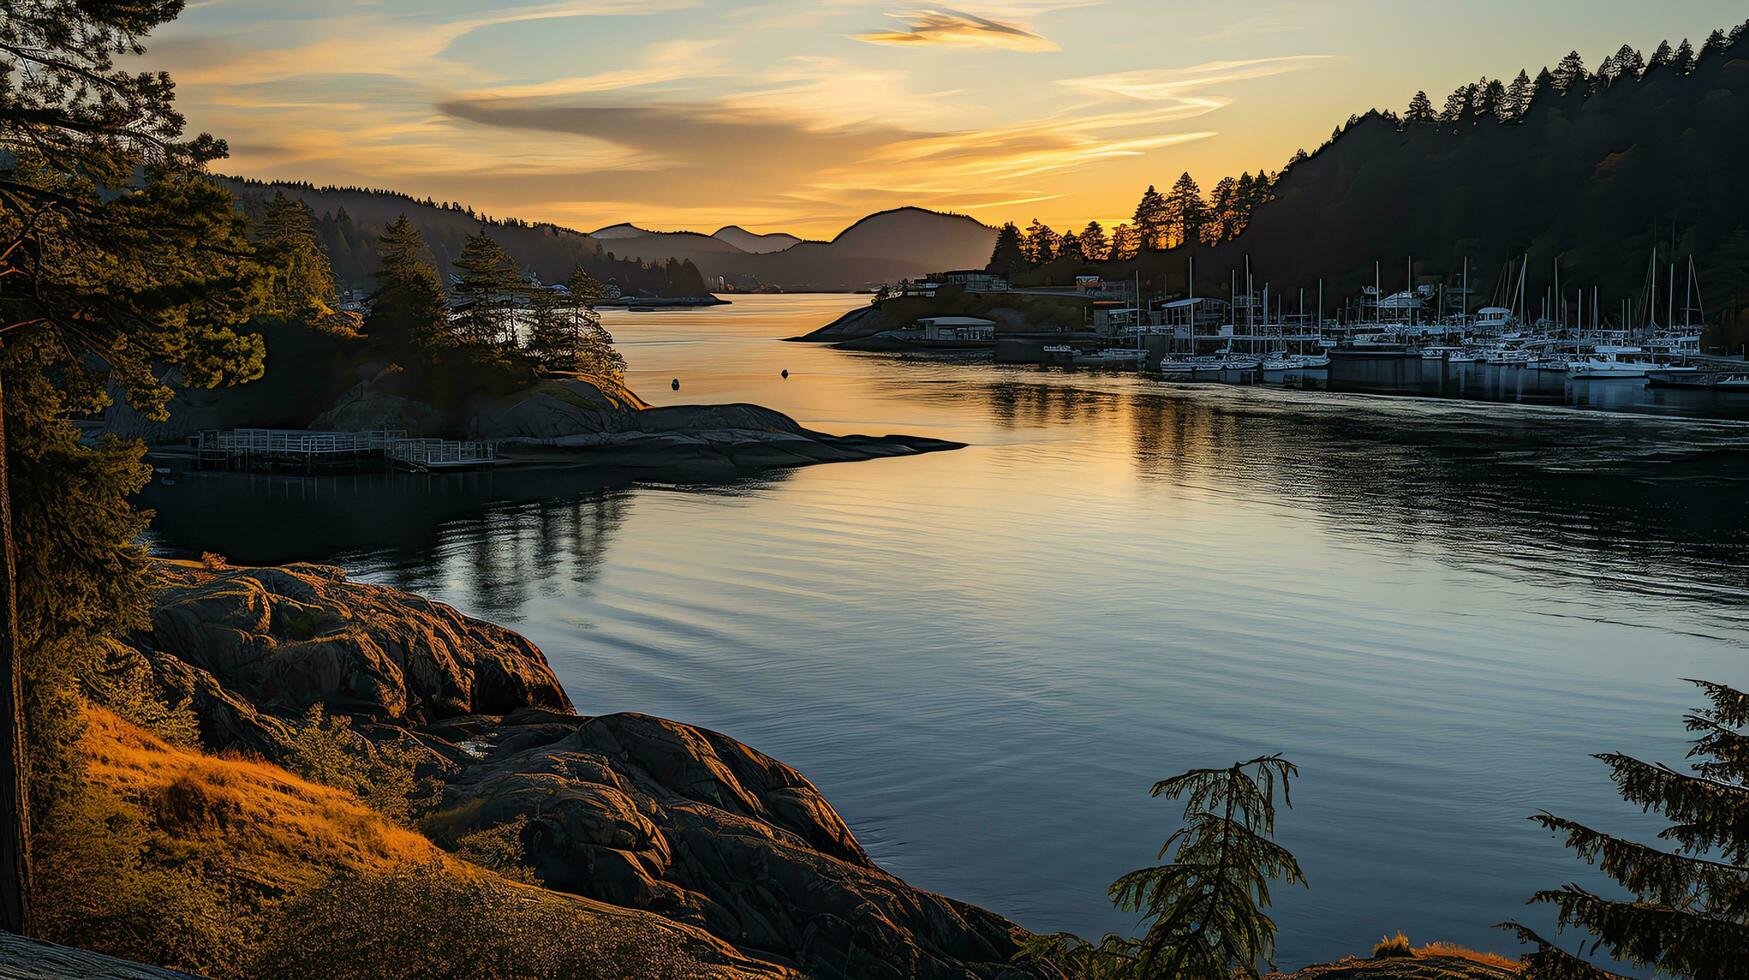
(1629, 64)
(300, 279)
(592, 350)
(1689, 916)
(1069, 247)
(1094, 245)
(1683, 60)
(1420, 110)
(1126, 243)
(119, 258)
(1716, 42)
(1571, 75)
(1150, 220)
(1457, 106)
(1224, 223)
(1204, 911)
(1009, 255)
(407, 308)
(1490, 98)
(1661, 56)
(1518, 96)
(488, 285)
(1186, 212)
(1041, 243)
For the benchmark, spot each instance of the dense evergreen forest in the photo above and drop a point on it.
(1593, 168)
(351, 220)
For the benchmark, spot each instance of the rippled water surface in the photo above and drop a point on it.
(985, 657)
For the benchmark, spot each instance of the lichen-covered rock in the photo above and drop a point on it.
(247, 642)
(653, 814)
(31, 959)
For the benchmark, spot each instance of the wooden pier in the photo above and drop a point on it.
(309, 451)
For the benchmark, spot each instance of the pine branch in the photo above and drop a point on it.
(1711, 812)
(1550, 962)
(1674, 941)
(1667, 879)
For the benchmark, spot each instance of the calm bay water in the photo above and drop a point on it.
(984, 658)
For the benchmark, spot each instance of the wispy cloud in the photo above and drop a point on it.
(1183, 84)
(953, 27)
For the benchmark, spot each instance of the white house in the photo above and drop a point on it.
(957, 328)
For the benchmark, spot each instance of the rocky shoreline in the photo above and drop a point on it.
(634, 811)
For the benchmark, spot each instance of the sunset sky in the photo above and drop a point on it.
(802, 117)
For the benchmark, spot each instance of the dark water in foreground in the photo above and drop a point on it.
(984, 658)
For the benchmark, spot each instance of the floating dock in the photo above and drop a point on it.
(310, 451)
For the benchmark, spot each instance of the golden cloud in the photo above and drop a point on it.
(953, 27)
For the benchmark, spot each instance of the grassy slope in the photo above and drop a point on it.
(250, 837)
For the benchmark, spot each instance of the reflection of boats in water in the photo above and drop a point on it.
(1113, 357)
(1720, 381)
(1506, 357)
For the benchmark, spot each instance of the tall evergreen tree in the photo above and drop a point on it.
(300, 279)
(1041, 243)
(1420, 110)
(488, 287)
(118, 258)
(1186, 212)
(1683, 61)
(407, 308)
(593, 353)
(1009, 255)
(1126, 243)
(1689, 916)
(1224, 219)
(1716, 42)
(1661, 56)
(1094, 245)
(1518, 96)
(1571, 75)
(1629, 64)
(1150, 221)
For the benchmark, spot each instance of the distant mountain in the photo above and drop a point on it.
(1597, 177)
(349, 221)
(748, 242)
(885, 247)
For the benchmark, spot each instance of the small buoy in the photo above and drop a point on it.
(786, 372)
(676, 384)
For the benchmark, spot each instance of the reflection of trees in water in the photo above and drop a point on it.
(506, 553)
(1643, 505)
(1627, 502)
(497, 539)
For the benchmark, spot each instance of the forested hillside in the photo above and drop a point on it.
(350, 221)
(1594, 168)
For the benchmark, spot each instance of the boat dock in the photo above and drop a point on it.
(310, 451)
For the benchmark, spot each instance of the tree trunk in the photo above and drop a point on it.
(14, 801)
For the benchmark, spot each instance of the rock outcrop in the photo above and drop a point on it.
(652, 814)
(251, 646)
(864, 321)
(637, 812)
(572, 421)
(1451, 967)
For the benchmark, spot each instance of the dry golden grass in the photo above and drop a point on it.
(1393, 947)
(1495, 960)
(287, 831)
(229, 866)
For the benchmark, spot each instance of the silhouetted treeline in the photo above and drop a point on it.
(1593, 167)
(351, 220)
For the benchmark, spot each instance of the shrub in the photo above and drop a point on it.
(326, 750)
(124, 684)
(1393, 947)
(498, 849)
(214, 561)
